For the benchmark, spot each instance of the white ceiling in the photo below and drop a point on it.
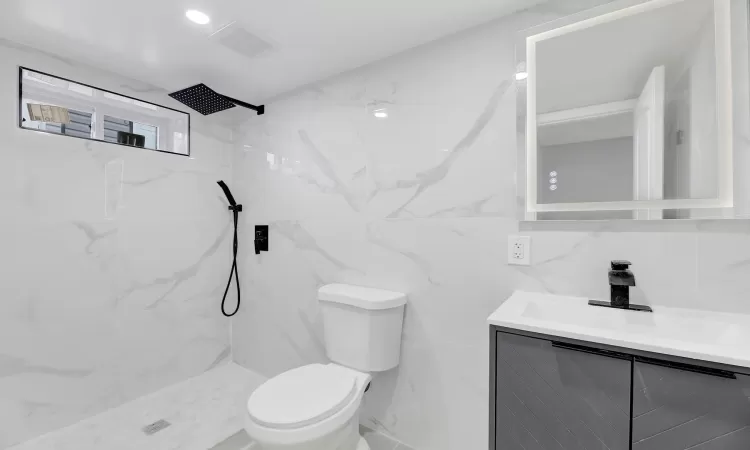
(612, 61)
(152, 41)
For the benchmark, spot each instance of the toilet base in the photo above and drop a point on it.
(344, 438)
(363, 445)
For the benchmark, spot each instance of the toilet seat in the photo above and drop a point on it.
(302, 396)
(265, 422)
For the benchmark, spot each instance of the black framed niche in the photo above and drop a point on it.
(56, 105)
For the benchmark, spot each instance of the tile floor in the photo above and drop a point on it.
(238, 441)
(379, 441)
(204, 412)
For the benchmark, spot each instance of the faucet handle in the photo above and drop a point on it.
(620, 264)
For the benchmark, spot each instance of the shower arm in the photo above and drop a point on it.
(259, 109)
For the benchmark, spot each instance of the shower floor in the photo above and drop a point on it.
(204, 412)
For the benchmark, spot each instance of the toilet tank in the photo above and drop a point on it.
(362, 326)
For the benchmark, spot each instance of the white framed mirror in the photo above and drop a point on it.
(629, 110)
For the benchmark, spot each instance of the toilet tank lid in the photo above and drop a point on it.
(361, 297)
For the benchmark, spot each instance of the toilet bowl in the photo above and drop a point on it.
(316, 407)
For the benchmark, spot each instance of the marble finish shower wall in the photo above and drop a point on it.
(112, 262)
(422, 202)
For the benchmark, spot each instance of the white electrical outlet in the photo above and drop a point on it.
(519, 250)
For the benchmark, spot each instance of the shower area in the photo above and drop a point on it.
(114, 263)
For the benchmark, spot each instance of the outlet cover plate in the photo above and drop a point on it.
(519, 250)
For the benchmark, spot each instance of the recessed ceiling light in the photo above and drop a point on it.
(522, 76)
(380, 113)
(197, 16)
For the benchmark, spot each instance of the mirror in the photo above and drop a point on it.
(56, 105)
(628, 113)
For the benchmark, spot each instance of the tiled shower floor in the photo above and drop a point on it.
(204, 412)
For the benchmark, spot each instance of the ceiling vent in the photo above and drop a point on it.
(235, 37)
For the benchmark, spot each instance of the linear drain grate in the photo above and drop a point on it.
(155, 427)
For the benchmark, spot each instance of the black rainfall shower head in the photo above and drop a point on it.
(207, 101)
(202, 99)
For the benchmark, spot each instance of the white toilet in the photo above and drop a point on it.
(316, 407)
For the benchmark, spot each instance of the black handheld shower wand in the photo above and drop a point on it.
(236, 209)
(228, 193)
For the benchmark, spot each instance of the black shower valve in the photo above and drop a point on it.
(261, 239)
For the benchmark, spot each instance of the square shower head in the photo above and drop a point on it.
(202, 99)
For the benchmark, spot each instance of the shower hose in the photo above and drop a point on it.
(234, 269)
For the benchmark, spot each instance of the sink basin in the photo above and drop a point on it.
(679, 324)
(575, 314)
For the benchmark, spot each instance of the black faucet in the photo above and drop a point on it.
(620, 281)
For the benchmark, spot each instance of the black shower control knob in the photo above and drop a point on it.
(261, 239)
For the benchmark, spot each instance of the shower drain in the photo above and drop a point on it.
(155, 427)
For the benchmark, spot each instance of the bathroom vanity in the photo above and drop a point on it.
(566, 375)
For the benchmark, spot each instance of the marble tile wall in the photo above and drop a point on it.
(112, 265)
(423, 202)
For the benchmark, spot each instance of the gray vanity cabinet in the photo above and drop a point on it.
(678, 407)
(552, 395)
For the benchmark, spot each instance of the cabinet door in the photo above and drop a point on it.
(681, 407)
(553, 397)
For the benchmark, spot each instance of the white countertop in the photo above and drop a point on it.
(703, 335)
